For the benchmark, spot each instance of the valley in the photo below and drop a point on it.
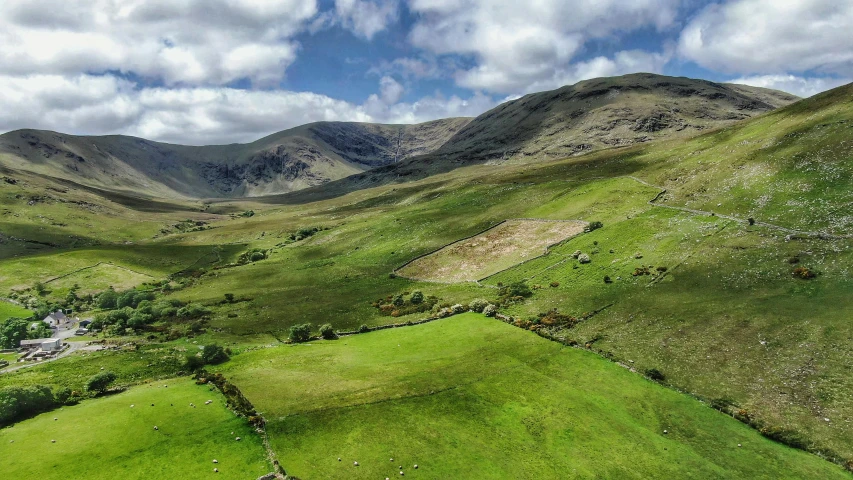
(702, 326)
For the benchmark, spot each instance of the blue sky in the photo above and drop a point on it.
(223, 71)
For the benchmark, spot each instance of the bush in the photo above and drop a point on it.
(100, 382)
(300, 333)
(417, 297)
(593, 226)
(655, 374)
(607, 279)
(327, 332)
(477, 305)
(229, 297)
(213, 354)
(193, 362)
(803, 273)
(490, 310)
(363, 329)
(783, 435)
(583, 258)
(555, 284)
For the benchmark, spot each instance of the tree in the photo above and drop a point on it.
(213, 354)
(300, 333)
(100, 382)
(19, 402)
(12, 331)
(107, 299)
(417, 297)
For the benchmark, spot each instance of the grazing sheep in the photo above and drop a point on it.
(216, 470)
(355, 464)
(132, 406)
(339, 459)
(53, 441)
(215, 461)
(155, 427)
(416, 467)
(238, 439)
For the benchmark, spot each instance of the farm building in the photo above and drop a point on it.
(51, 345)
(56, 319)
(85, 322)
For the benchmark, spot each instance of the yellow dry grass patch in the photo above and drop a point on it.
(499, 248)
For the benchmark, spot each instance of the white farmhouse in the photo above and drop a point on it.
(56, 319)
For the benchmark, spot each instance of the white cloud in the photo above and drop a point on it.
(210, 42)
(390, 90)
(366, 18)
(97, 105)
(772, 36)
(519, 44)
(801, 86)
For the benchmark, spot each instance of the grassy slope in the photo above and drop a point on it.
(491, 401)
(124, 443)
(8, 310)
(728, 290)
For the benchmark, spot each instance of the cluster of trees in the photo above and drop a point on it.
(135, 309)
(398, 305)
(302, 332)
(13, 330)
(593, 226)
(20, 402)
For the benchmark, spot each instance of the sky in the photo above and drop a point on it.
(224, 71)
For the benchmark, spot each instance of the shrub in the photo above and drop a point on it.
(327, 332)
(655, 374)
(803, 273)
(555, 284)
(751, 220)
(363, 329)
(607, 279)
(417, 297)
(100, 382)
(490, 310)
(300, 333)
(457, 309)
(583, 258)
(661, 269)
(213, 354)
(477, 305)
(593, 226)
(193, 362)
(229, 297)
(517, 289)
(576, 254)
(784, 435)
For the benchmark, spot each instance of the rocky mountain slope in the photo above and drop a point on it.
(573, 120)
(290, 160)
(578, 119)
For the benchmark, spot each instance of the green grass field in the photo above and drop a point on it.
(727, 321)
(471, 397)
(106, 438)
(8, 310)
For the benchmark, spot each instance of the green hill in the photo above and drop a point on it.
(722, 270)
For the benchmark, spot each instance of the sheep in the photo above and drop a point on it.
(238, 439)
(416, 466)
(354, 464)
(53, 441)
(215, 461)
(155, 427)
(216, 470)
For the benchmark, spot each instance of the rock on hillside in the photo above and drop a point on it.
(290, 160)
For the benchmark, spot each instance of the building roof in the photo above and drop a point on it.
(37, 341)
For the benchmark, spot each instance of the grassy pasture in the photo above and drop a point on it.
(8, 310)
(105, 438)
(471, 397)
(499, 248)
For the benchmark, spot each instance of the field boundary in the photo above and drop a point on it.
(547, 250)
(93, 266)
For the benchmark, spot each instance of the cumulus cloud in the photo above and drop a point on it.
(366, 18)
(210, 42)
(800, 86)
(390, 90)
(770, 36)
(518, 44)
(96, 105)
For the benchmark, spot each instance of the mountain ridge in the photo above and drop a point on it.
(572, 120)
